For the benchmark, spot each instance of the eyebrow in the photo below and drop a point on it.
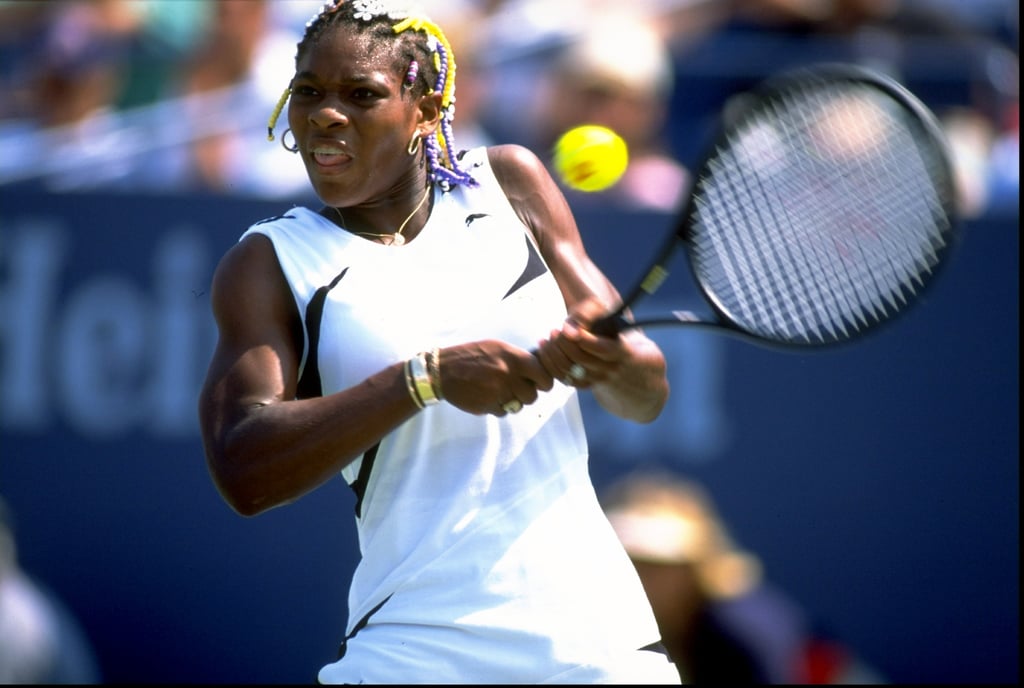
(356, 78)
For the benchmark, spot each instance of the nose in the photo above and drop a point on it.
(327, 116)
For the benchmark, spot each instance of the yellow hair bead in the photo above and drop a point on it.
(277, 112)
(432, 29)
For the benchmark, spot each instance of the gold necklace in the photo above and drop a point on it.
(396, 239)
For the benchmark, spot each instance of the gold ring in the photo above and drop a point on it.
(514, 406)
(577, 372)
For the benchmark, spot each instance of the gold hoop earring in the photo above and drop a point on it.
(414, 144)
(294, 148)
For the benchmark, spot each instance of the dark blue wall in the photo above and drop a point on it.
(878, 481)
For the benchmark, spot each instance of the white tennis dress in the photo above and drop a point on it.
(485, 556)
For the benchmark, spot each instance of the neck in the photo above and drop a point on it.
(396, 237)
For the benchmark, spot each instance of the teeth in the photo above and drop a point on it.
(328, 150)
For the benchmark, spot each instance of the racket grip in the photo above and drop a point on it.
(610, 325)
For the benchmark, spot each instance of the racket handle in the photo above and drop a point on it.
(610, 325)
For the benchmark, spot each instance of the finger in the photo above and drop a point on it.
(536, 374)
(560, 362)
(526, 391)
(576, 356)
(554, 359)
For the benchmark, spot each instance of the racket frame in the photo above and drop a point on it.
(729, 121)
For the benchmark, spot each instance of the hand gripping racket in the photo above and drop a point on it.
(824, 207)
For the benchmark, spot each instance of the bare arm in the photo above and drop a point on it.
(625, 373)
(265, 448)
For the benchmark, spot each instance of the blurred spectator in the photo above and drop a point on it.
(64, 127)
(523, 38)
(971, 139)
(618, 74)
(169, 31)
(67, 49)
(40, 641)
(22, 25)
(720, 620)
(944, 59)
(231, 83)
(1004, 170)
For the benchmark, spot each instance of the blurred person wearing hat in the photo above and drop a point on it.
(627, 89)
(719, 619)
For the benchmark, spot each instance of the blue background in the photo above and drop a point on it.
(877, 481)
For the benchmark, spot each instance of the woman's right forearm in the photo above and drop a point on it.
(272, 453)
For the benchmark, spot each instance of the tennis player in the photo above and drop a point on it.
(424, 335)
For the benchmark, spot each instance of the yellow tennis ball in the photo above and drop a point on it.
(590, 157)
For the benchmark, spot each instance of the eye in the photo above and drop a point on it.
(304, 90)
(364, 95)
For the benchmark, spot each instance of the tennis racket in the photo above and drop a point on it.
(825, 206)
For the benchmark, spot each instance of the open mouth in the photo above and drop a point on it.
(329, 156)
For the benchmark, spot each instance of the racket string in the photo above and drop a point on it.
(802, 211)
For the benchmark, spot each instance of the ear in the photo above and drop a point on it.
(428, 114)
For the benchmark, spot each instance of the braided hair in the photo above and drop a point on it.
(422, 52)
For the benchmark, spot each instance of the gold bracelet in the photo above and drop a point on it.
(421, 379)
(410, 384)
(434, 371)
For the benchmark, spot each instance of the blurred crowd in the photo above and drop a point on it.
(172, 96)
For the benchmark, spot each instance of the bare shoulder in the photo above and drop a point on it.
(531, 190)
(249, 276)
(512, 154)
(250, 260)
(516, 167)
